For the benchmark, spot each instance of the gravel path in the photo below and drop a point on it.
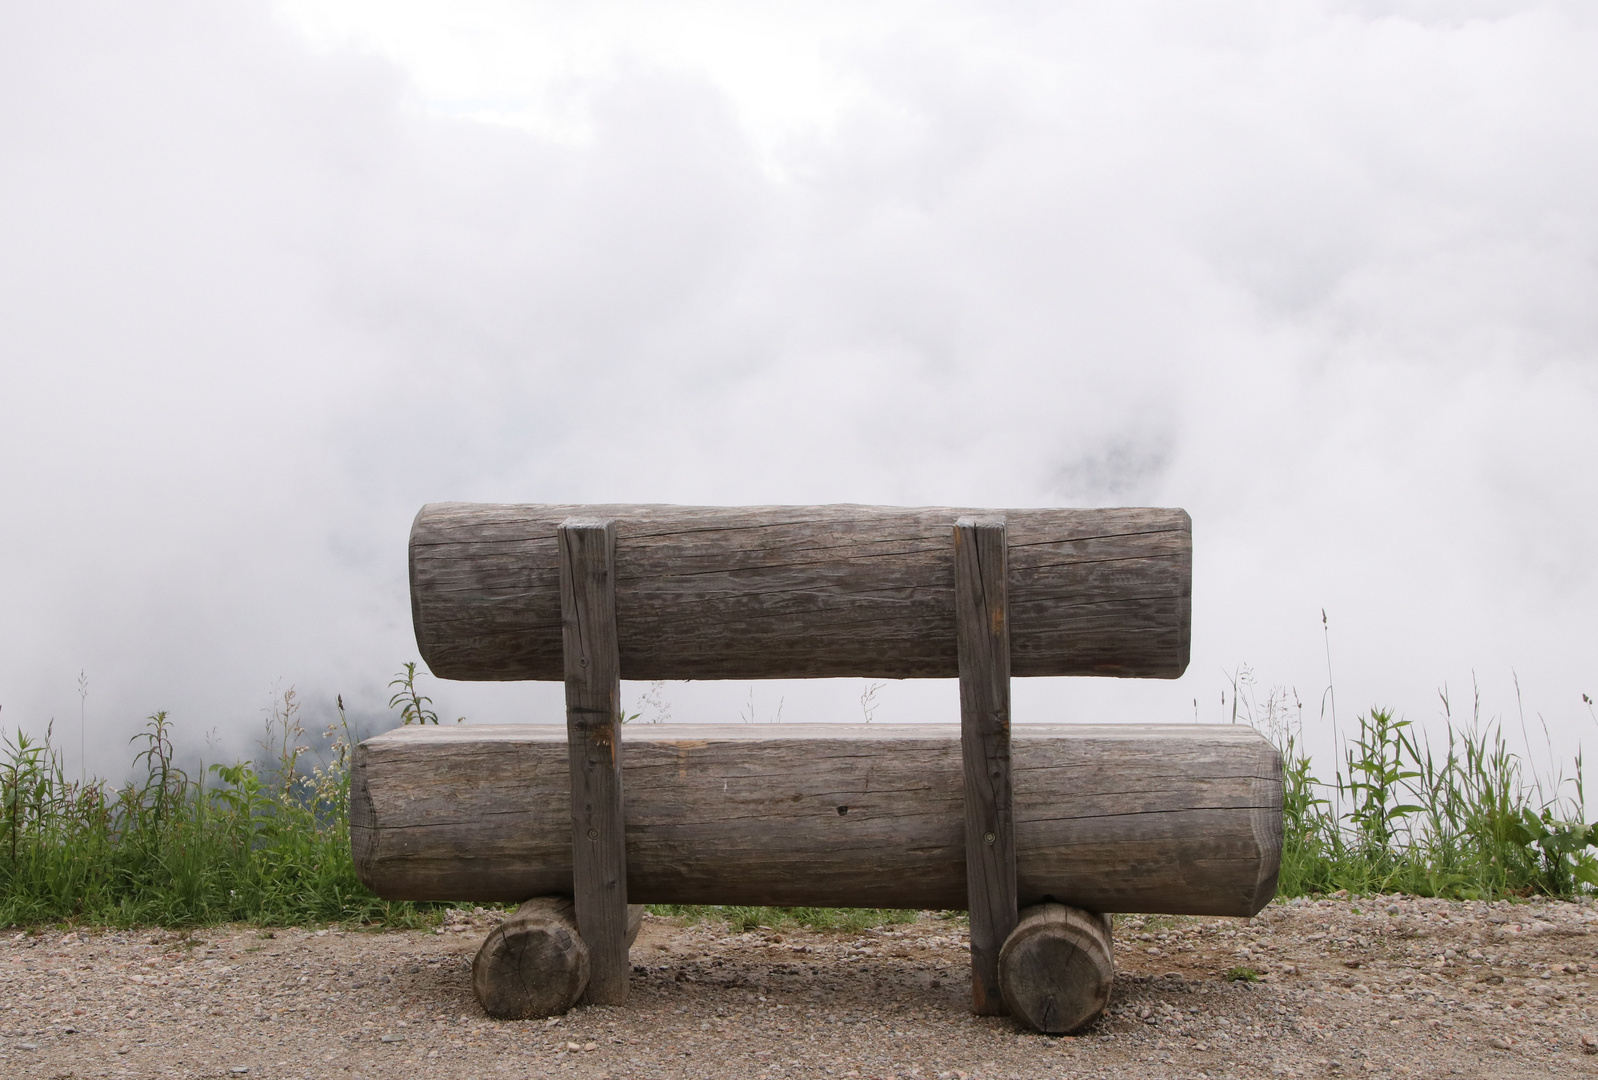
(1394, 988)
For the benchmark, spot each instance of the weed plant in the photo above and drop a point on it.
(264, 843)
(267, 842)
(1460, 819)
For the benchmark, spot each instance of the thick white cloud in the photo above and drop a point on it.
(1324, 274)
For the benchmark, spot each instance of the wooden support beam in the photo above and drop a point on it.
(1057, 968)
(535, 963)
(593, 733)
(983, 636)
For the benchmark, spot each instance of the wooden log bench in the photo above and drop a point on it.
(1039, 832)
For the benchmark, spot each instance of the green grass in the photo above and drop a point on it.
(780, 918)
(1460, 819)
(263, 843)
(267, 842)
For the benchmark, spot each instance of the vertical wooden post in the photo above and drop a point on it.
(593, 732)
(981, 562)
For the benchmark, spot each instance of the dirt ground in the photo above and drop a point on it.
(1395, 987)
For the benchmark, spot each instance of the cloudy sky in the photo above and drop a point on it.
(272, 276)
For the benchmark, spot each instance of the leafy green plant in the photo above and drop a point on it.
(232, 845)
(267, 841)
(1376, 774)
(1457, 821)
(1561, 848)
(413, 707)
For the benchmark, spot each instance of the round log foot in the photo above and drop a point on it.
(1056, 968)
(533, 964)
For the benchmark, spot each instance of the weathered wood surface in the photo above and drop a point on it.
(1057, 968)
(1154, 818)
(983, 637)
(797, 592)
(593, 734)
(535, 963)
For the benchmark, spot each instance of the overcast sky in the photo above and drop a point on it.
(274, 276)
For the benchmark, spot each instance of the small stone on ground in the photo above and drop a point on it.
(1332, 988)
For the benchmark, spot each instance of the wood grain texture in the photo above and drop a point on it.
(796, 592)
(593, 733)
(534, 963)
(983, 639)
(1057, 968)
(1182, 819)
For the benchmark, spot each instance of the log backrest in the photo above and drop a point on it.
(801, 591)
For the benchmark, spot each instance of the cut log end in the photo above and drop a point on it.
(534, 964)
(1057, 967)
